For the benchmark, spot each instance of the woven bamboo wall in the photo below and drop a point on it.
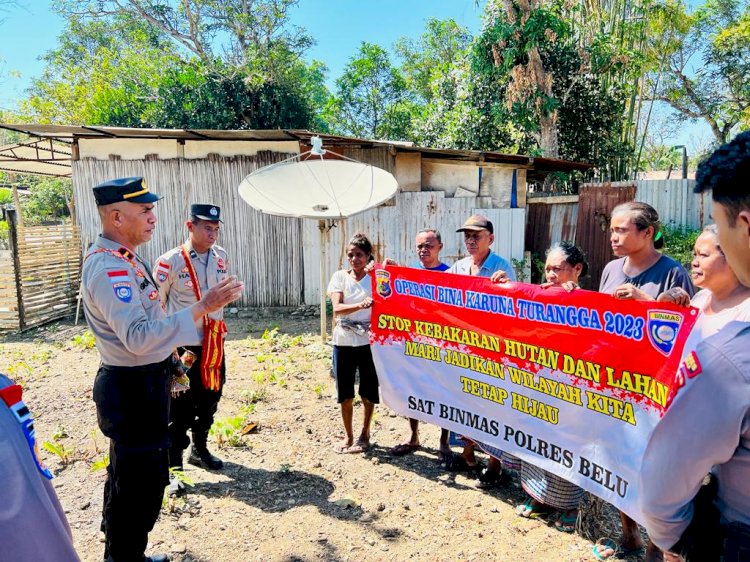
(8, 297)
(49, 262)
(264, 251)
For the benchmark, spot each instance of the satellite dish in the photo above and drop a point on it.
(307, 186)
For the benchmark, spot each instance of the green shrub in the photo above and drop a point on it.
(679, 242)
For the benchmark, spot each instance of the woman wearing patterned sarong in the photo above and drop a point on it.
(565, 265)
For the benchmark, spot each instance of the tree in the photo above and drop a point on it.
(545, 84)
(114, 68)
(371, 99)
(707, 69)
(49, 199)
(434, 57)
(102, 73)
(516, 30)
(193, 96)
(240, 33)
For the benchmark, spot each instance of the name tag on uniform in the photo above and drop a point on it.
(121, 284)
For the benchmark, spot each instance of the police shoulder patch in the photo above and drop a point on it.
(121, 284)
(123, 291)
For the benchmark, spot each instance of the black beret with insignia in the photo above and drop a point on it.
(205, 212)
(132, 190)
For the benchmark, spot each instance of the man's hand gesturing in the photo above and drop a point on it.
(218, 296)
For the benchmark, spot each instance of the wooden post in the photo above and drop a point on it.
(323, 311)
(13, 237)
(16, 200)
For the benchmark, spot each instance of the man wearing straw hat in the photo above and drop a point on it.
(184, 274)
(135, 339)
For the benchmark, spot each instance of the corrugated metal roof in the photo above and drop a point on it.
(67, 133)
(41, 157)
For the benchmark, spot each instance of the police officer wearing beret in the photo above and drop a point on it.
(184, 273)
(136, 339)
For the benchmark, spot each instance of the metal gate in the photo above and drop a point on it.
(595, 204)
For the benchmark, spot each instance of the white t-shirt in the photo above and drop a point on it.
(709, 324)
(354, 292)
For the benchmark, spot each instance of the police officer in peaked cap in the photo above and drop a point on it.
(184, 273)
(136, 340)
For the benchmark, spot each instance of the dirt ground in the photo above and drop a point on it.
(284, 494)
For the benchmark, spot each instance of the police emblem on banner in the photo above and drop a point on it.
(383, 283)
(662, 327)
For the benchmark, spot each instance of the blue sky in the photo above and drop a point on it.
(339, 26)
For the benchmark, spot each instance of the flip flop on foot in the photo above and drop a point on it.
(458, 464)
(363, 445)
(604, 549)
(532, 509)
(445, 458)
(566, 523)
(404, 449)
(343, 448)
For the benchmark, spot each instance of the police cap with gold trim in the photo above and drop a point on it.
(205, 212)
(131, 190)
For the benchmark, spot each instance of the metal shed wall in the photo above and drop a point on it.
(264, 251)
(392, 228)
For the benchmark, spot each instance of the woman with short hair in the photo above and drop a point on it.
(564, 266)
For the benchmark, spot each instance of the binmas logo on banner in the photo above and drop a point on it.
(571, 382)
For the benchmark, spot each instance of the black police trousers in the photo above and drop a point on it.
(192, 410)
(132, 405)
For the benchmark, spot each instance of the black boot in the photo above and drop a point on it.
(200, 456)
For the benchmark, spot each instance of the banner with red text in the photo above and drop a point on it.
(571, 382)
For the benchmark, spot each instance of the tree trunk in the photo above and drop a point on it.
(548, 142)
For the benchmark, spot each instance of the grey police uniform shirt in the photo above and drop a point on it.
(32, 522)
(124, 313)
(707, 426)
(490, 265)
(175, 285)
(665, 274)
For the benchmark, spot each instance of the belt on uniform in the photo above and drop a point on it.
(148, 368)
